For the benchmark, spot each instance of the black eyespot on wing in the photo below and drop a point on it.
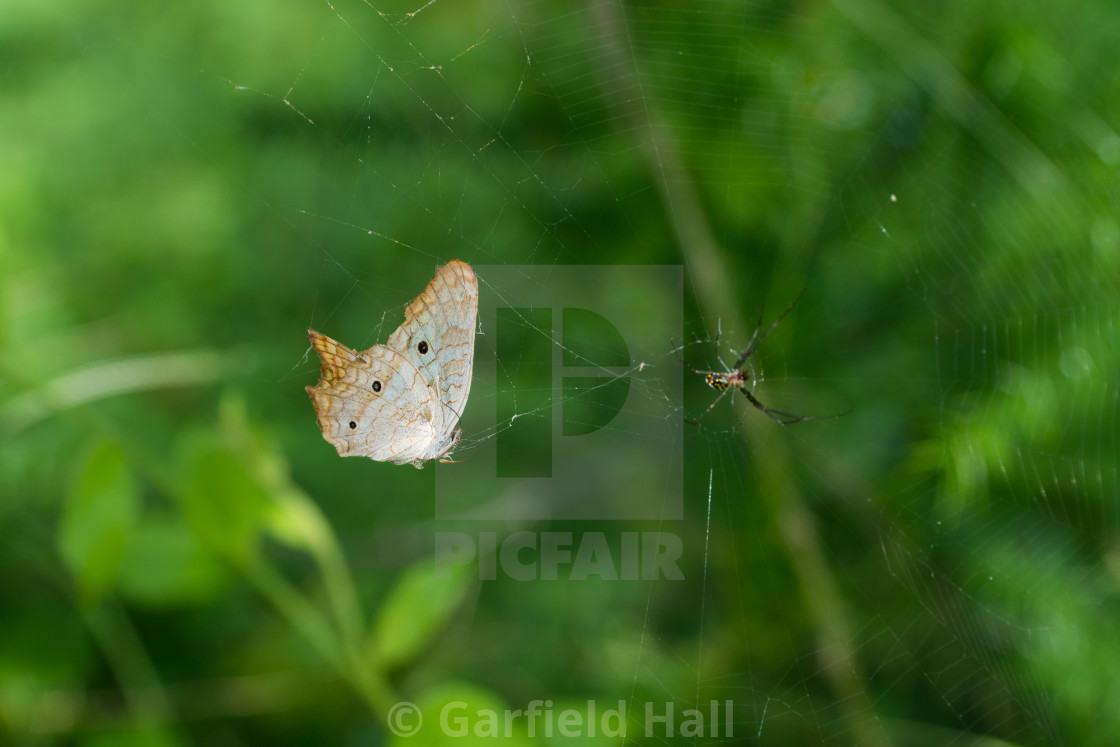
(376, 387)
(353, 425)
(422, 347)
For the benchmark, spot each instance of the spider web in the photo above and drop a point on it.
(939, 566)
(922, 581)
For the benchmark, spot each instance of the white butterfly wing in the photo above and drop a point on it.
(375, 404)
(438, 336)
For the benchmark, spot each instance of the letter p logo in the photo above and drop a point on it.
(568, 422)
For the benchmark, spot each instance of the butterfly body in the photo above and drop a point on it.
(400, 402)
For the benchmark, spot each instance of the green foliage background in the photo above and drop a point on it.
(185, 188)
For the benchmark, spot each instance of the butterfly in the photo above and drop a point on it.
(400, 402)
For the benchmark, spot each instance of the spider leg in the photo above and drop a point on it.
(719, 336)
(685, 363)
(751, 347)
(756, 341)
(736, 413)
(781, 417)
(696, 421)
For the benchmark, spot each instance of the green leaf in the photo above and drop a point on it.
(97, 520)
(223, 502)
(456, 713)
(166, 565)
(292, 518)
(133, 735)
(418, 606)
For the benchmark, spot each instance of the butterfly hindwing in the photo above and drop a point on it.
(374, 403)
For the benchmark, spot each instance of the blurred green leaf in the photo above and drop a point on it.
(451, 712)
(223, 502)
(133, 736)
(97, 520)
(418, 606)
(166, 565)
(293, 518)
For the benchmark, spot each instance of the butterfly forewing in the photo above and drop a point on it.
(438, 334)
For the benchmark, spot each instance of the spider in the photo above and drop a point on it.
(735, 378)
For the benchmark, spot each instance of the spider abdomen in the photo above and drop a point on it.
(722, 381)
